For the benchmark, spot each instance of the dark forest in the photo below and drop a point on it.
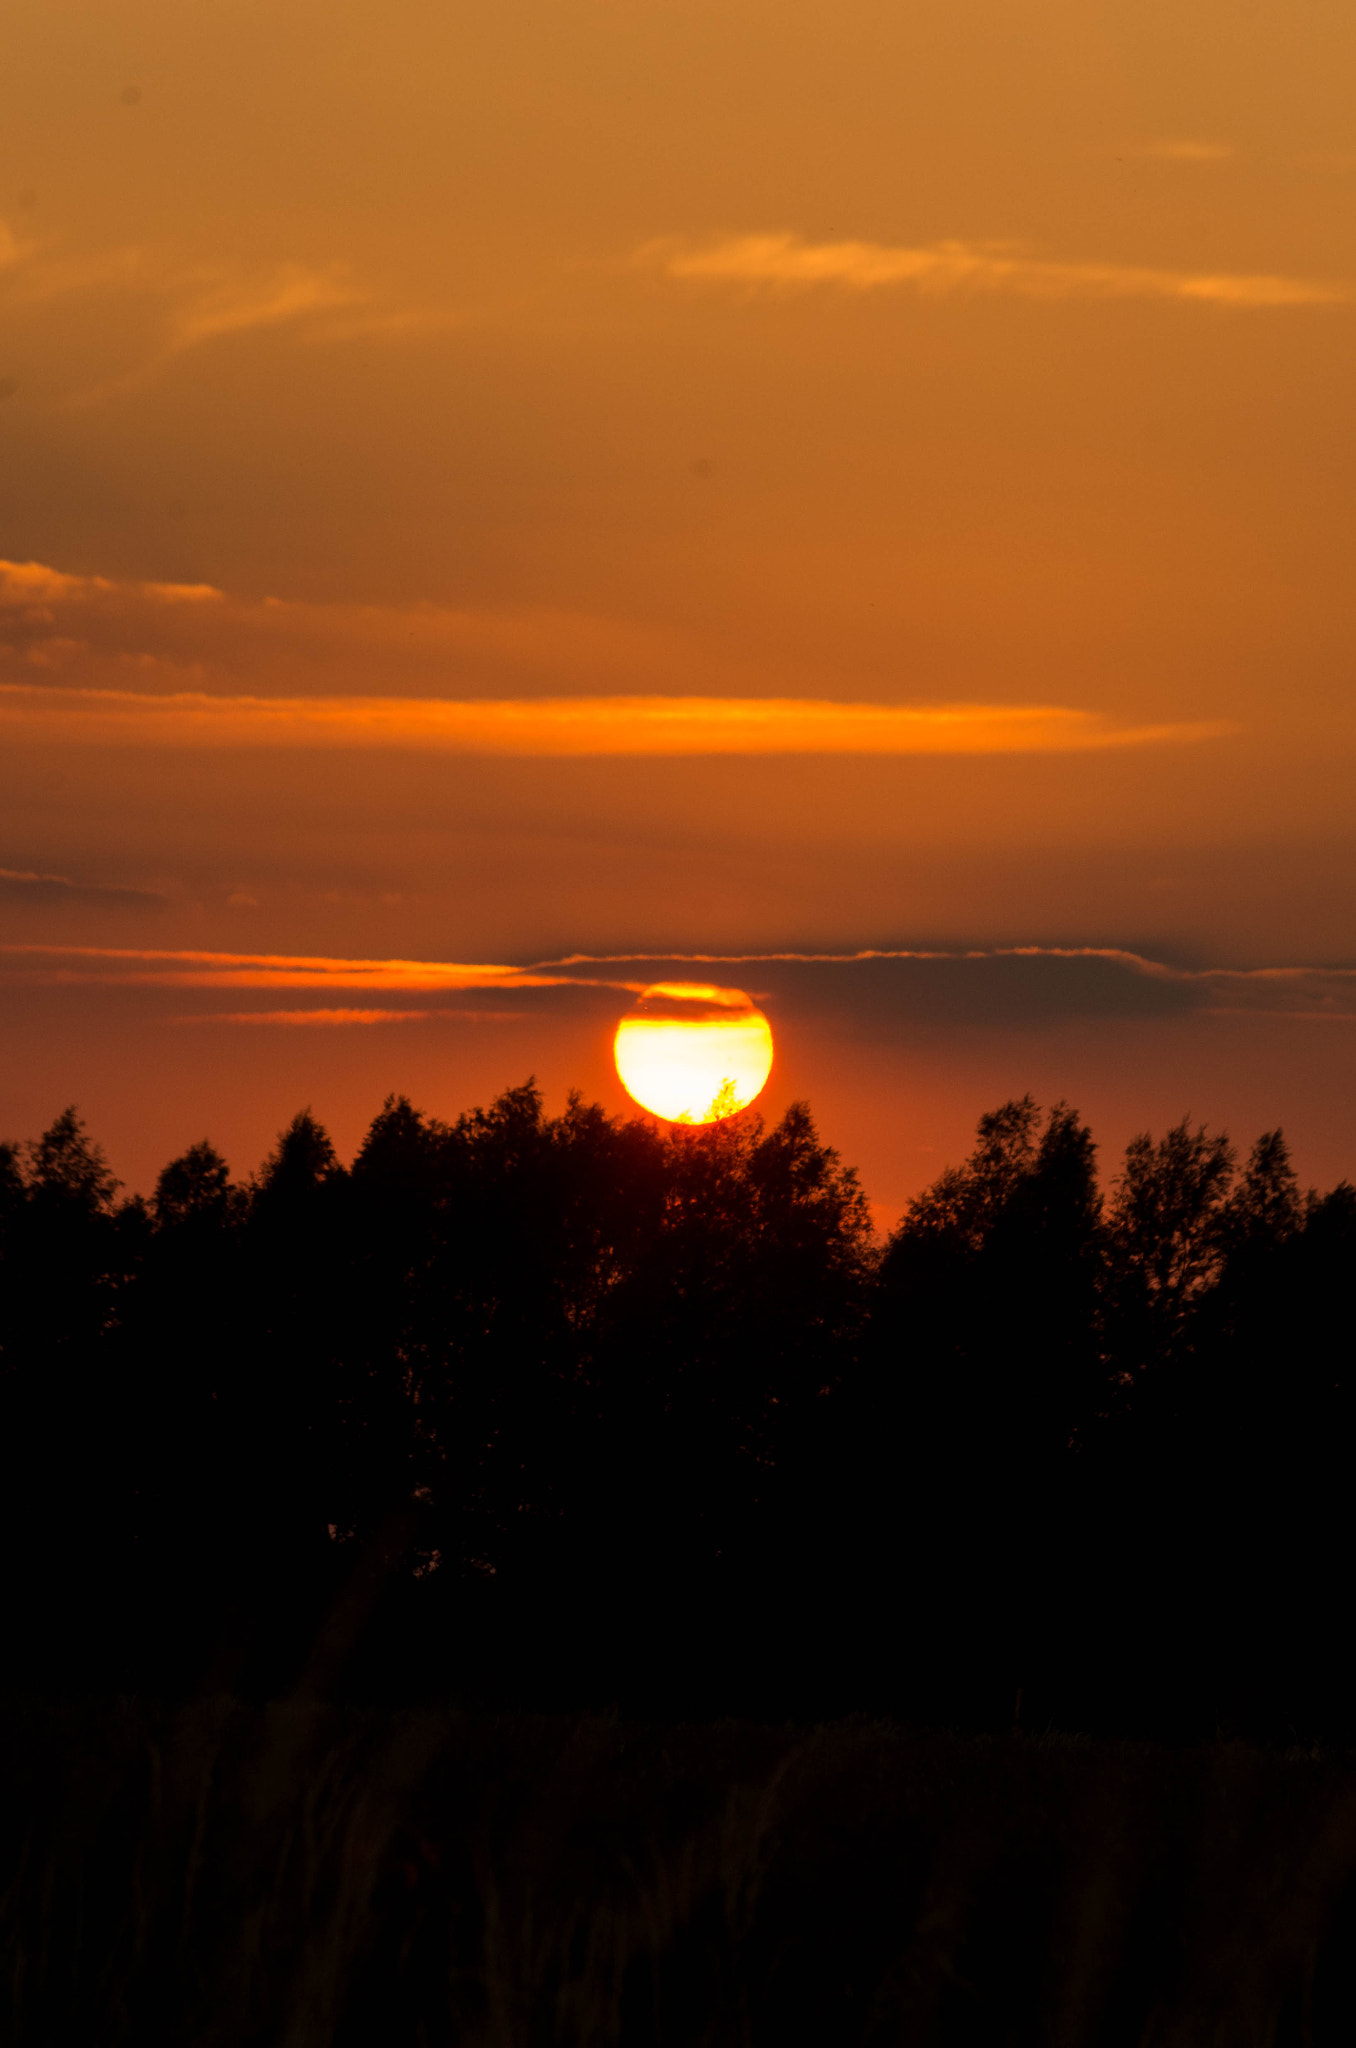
(558, 1581)
(572, 1413)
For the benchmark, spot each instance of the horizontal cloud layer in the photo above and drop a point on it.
(570, 725)
(942, 269)
(1002, 985)
(873, 990)
(101, 660)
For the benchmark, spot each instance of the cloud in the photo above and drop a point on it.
(327, 1018)
(232, 303)
(25, 586)
(879, 991)
(197, 301)
(166, 305)
(24, 885)
(188, 664)
(317, 1017)
(947, 269)
(124, 966)
(117, 634)
(573, 726)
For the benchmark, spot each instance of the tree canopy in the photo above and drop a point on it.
(575, 1365)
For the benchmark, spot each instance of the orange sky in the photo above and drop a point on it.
(493, 483)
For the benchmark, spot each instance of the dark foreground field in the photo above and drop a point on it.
(306, 1874)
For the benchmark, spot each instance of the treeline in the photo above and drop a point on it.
(565, 1408)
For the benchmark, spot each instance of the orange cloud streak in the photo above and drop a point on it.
(571, 725)
(340, 1018)
(941, 269)
(157, 967)
(322, 1017)
(163, 968)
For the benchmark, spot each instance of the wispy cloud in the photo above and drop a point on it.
(107, 633)
(1185, 151)
(946, 269)
(28, 885)
(342, 1018)
(572, 725)
(176, 305)
(24, 585)
(232, 303)
(322, 1018)
(160, 967)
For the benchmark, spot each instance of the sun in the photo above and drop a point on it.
(692, 1053)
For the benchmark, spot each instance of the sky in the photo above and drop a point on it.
(573, 490)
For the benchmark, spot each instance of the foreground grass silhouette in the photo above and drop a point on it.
(314, 1875)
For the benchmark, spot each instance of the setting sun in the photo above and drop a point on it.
(692, 1053)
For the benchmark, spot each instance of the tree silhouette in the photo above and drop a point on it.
(994, 1277)
(654, 1397)
(1168, 1232)
(67, 1170)
(193, 1189)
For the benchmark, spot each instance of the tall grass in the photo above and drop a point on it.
(222, 1875)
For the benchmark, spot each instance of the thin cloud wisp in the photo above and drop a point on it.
(947, 269)
(572, 725)
(124, 966)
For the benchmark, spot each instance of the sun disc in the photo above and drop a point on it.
(692, 1053)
